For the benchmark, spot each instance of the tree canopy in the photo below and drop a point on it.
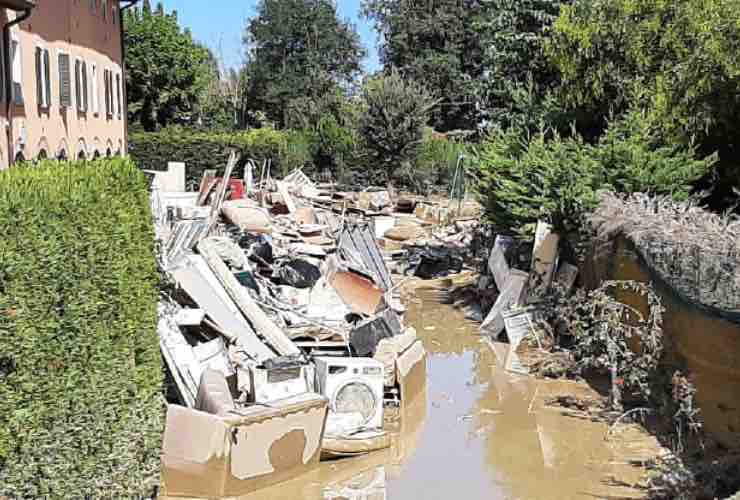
(167, 72)
(297, 49)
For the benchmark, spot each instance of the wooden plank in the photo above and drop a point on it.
(286, 196)
(264, 326)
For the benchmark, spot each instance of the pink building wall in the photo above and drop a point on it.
(71, 27)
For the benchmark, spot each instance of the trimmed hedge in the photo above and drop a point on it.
(210, 150)
(81, 411)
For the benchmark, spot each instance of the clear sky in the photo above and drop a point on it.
(219, 24)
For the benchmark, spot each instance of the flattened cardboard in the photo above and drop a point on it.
(212, 456)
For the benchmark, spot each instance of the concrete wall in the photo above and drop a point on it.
(71, 27)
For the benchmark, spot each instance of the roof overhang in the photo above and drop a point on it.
(18, 4)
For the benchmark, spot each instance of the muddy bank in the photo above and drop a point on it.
(480, 433)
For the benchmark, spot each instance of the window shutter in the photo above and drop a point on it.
(39, 78)
(107, 92)
(47, 77)
(84, 87)
(65, 90)
(78, 93)
(118, 94)
(17, 73)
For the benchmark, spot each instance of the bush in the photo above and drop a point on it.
(392, 123)
(523, 179)
(80, 369)
(210, 150)
(434, 167)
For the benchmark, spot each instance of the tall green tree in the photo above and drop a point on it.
(167, 72)
(483, 59)
(518, 78)
(438, 45)
(297, 49)
(678, 60)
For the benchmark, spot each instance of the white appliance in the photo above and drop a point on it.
(354, 387)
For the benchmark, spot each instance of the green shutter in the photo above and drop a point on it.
(39, 79)
(65, 90)
(47, 77)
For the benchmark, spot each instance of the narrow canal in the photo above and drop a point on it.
(480, 433)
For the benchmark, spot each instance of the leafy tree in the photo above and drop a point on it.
(297, 49)
(483, 59)
(518, 79)
(392, 123)
(436, 44)
(167, 72)
(678, 60)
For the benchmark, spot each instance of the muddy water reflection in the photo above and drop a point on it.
(479, 434)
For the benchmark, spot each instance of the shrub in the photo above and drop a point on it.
(392, 123)
(434, 166)
(209, 150)
(80, 369)
(522, 179)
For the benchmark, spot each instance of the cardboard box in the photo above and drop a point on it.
(212, 456)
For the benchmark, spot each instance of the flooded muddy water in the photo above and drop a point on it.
(480, 433)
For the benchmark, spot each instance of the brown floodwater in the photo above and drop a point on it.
(480, 433)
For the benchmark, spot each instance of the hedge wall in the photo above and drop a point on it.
(80, 371)
(210, 150)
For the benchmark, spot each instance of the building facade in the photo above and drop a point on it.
(63, 91)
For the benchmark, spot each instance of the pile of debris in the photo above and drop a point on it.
(282, 331)
(521, 293)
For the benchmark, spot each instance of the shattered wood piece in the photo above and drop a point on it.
(307, 249)
(566, 277)
(497, 262)
(261, 322)
(544, 261)
(207, 184)
(193, 274)
(287, 198)
(364, 337)
(510, 296)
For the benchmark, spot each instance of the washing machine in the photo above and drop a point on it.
(353, 386)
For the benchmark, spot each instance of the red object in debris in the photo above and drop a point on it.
(236, 188)
(209, 185)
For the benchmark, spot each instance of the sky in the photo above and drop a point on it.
(219, 24)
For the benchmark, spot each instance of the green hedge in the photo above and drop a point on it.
(210, 150)
(81, 410)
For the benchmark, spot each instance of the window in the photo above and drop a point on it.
(93, 6)
(65, 84)
(114, 15)
(15, 57)
(108, 81)
(118, 94)
(81, 85)
(104, 9)
(43, 78)
(94, 88)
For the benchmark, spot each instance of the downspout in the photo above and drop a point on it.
(9, 80)
(124, 90)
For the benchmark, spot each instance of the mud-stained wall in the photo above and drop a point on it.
(708, 344)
